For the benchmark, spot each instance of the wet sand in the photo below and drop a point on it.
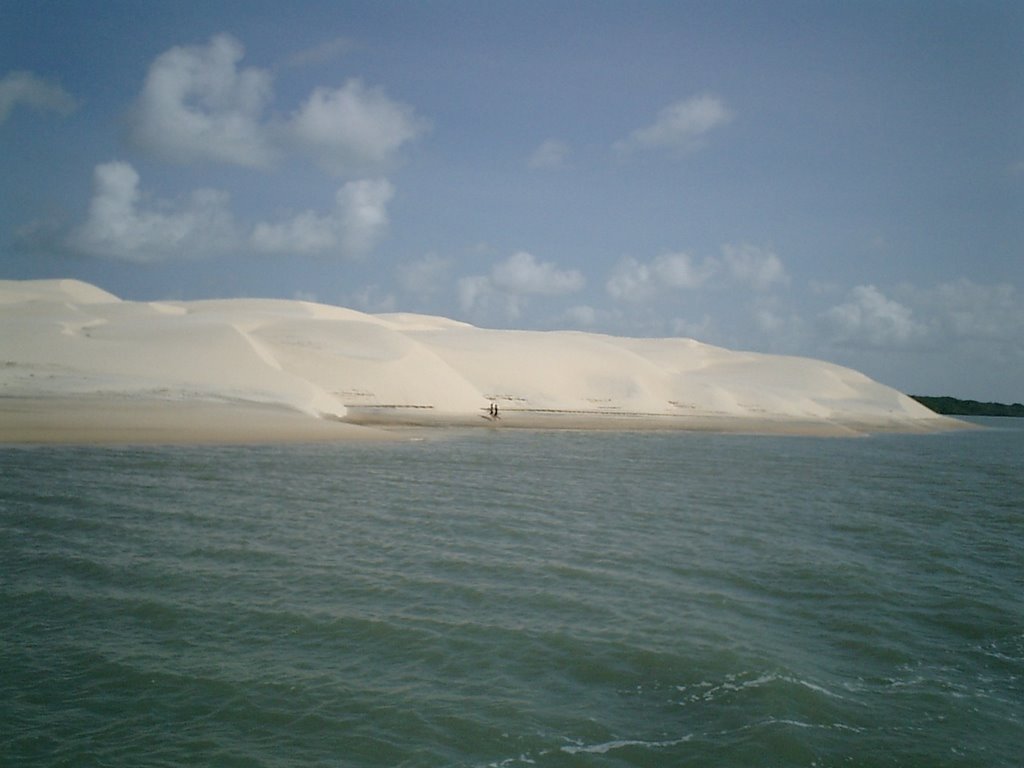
(98, 420)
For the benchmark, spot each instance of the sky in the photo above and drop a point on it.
(838, 180)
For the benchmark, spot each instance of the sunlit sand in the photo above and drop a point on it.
(77, 364)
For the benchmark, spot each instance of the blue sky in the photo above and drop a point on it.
(843, 180)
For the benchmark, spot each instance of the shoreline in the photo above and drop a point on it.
(106, 420)
(618, 421)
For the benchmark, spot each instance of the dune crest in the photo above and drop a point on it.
(66, 340)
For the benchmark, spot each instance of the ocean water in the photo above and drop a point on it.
(517, 599)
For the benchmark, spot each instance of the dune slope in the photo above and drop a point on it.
(70, 342)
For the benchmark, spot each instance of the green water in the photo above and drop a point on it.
(517, 599)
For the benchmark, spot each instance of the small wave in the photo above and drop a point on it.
(522, 759)
(608, 746)
(708, 691)
(792, 723)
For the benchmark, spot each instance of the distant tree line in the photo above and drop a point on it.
(952, 406)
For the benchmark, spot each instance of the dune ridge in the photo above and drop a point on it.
(70, 347)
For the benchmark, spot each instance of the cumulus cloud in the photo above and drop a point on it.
(869, 318)
(778, 325)
(521, 273)
(354, 128)
(478, 296)
(26, 88)
(632, 281)
(365, 216)
(119, 227)
(679, 127)
(636, 281)
(473, 291)
(197, 105)
(754, 266)
(351, 229)
(550, 154)
(511, 282)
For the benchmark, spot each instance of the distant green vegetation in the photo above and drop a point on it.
(952, 406)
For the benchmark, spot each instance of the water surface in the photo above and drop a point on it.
(517, 599)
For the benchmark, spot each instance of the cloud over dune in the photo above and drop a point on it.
(522, 273)
(757, 267)
(512, 281)
(351, 229)
(636, 281)
(354, 128)
(198, 104)
(870, 318)
(118, 226)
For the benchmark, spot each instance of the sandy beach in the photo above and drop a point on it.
(106, 421)
(79, 365)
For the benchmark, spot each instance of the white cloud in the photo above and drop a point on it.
(478, 296)
(32, 91)
(637, 281)
(550, 154)
(117, 227)
(778, 325)
(364, 213)
(870, 318)
(505, 292)
(677, 270)
(307, 232)
(358, 220)
(197, 105)
(353, 129)
(631, 281)
(681, 126)
(755, 266)
(521, 273)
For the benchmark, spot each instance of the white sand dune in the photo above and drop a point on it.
(68, 346)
